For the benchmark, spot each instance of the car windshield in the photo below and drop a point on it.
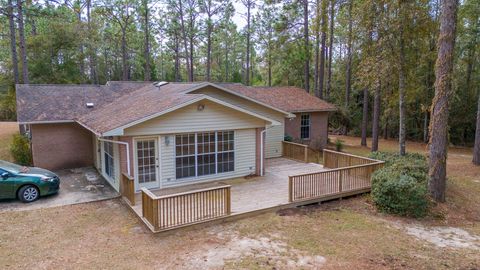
(13, 168)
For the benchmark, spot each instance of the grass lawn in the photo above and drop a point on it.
(346, 234)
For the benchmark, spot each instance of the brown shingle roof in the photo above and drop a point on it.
(288, 98)
(42, 102)
(137, 105)
(120, 103)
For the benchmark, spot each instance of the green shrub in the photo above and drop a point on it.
(339, 145)
(20, 150)
(288, 138)
(401, 186)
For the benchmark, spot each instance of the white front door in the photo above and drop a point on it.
(146, 163)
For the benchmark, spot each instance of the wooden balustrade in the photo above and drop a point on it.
(187, 208)
(354, 177)
(300, 152)
(334, 159)
(295, 151)
(127, 188)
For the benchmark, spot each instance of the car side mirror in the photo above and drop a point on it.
(5, 175)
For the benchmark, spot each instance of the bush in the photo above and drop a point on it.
(338, 145)
(401, 186)
(288, 138)
(20, 150)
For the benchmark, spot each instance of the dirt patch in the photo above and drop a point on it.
(445, 236)
(233, 250)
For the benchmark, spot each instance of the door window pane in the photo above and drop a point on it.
(146, 161)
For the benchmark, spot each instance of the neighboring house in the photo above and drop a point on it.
(167, 134)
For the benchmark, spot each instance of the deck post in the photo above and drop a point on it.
(155, 214)
(340, 180)
(290, 187)
(305, 153)
(228, 200)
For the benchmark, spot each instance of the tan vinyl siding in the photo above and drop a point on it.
(274, 135)
(189, 119)
(244, 159)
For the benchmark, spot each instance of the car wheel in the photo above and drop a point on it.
(28, 194)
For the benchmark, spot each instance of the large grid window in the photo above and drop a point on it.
(108, 159)
(226, 154)
(206, 153)
(146, 161)
(199, 154)
(305, 126)
(185, 155)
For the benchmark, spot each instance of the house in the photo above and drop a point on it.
(167, 134)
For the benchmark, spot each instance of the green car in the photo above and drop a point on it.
(26, 183)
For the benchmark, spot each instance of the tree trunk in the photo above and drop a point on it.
(13, 43)
(92, 58)
(124, 54)
(247, 63)
(191, 76)
(147, 72)
(476, 148)
(425, 126)
(321, 79)
(306, 68)
(177, 57)
(330, 49)
(364, 117)
(209, 48)
(440, 106)
(348, 79)
(23, 48)
(318, 15)
(81, 65)
(184, 36)
(401, 92)
(269, 66)
(376, 117)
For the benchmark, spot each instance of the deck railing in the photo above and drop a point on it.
(127, 188)
(187, 208)
(354, 177)
(334, 159)
(300, 152)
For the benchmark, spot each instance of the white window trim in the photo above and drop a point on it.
(309, 126)
(190, 178)
(110, 179)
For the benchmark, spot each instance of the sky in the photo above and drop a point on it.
(238, 19)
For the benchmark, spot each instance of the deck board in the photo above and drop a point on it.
(254, 193)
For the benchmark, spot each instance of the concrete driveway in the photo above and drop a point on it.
(76, 186)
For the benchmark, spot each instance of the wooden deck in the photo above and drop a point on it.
(249, 195)
(287, 183)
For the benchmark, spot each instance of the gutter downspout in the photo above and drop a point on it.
(262, 149)
(128, 151)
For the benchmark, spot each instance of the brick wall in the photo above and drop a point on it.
(318, 129)
(61, 146)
